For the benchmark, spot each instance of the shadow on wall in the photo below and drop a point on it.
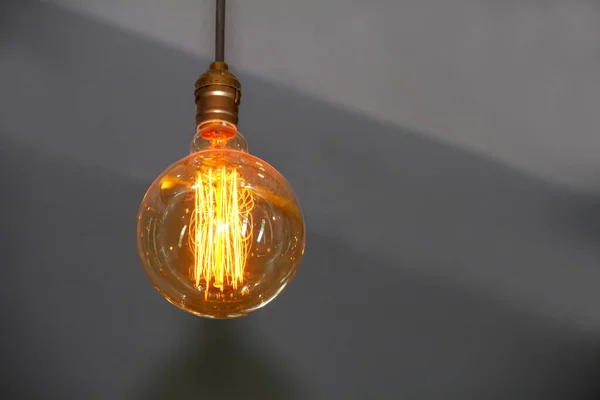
(87, 324)
(219, 362)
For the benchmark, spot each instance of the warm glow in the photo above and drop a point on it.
(221, 229)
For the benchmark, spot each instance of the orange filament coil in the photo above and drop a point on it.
(220, 229)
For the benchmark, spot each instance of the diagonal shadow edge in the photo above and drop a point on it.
(500, 229)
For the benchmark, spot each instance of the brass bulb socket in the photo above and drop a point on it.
(217, 93)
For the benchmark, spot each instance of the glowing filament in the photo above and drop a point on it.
(220, 229)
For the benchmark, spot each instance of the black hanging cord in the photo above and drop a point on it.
(220, 32)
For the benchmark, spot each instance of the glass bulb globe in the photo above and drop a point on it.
(220, 233)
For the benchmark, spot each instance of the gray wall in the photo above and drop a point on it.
(430, 272)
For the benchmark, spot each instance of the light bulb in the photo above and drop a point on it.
(220, 232)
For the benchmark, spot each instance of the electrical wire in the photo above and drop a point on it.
(220, 31)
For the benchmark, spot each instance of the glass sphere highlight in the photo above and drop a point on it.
(220, 233)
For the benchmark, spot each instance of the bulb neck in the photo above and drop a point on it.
(218, 135)
(217, 94)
